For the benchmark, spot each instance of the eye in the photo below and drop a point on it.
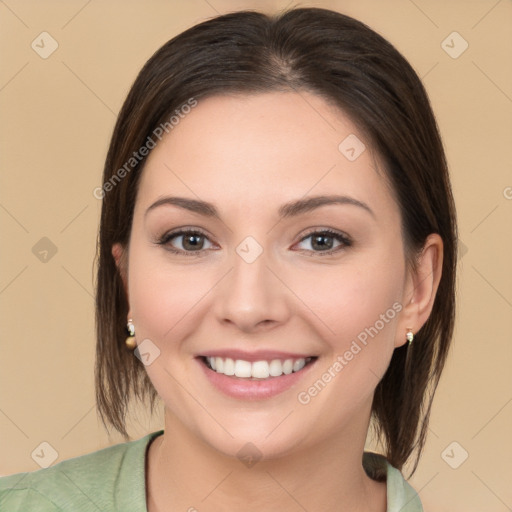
(186, 241)
(193, 242)
(325, 242)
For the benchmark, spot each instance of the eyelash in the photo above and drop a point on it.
(167, 237)
(340, 237)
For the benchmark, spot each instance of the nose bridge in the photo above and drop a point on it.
(250, 294)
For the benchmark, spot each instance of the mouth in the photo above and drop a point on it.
(261, 370)
(255, 375)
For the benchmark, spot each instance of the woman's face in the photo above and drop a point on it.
(259, 280)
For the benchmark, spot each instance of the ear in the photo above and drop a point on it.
(421, 288)
(119, 254)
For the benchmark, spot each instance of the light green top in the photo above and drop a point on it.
(113, 479)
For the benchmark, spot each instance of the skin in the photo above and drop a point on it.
(248, 155)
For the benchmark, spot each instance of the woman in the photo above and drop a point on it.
(277, 253)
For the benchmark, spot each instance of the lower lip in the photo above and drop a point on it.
(246, 389)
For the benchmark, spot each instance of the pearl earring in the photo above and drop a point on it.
(130, 340)
(409, 336)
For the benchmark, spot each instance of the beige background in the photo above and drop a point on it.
(57, 117)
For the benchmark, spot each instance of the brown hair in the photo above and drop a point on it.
(351, 66)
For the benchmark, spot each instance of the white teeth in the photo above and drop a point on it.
(260, 370)
(242, 368)
(298, 365)
(288, 366)
(229, 367)
(257, 369)
(275, 368)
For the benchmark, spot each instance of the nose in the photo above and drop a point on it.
(252, 297)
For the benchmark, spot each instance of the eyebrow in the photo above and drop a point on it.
(290, 209)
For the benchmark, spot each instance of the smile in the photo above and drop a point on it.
(258, 379)
(256, 370)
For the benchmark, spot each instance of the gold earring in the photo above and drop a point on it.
(130, 340)
(409, 336)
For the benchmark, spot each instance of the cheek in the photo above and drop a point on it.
(164, 298)
(167, 304)
(349, 298)
(355, 308)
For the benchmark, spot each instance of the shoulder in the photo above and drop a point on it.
(87, 482)
(400, 495)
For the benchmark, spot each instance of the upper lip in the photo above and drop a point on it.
(258, 355)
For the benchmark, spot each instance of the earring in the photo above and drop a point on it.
(130, 340)
(409, 336)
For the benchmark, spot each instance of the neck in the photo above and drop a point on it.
(184, 473)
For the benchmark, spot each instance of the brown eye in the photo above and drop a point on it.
(192, 242)
(185, 241)
(325, 241)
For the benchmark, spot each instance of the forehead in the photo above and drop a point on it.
(271, 147)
